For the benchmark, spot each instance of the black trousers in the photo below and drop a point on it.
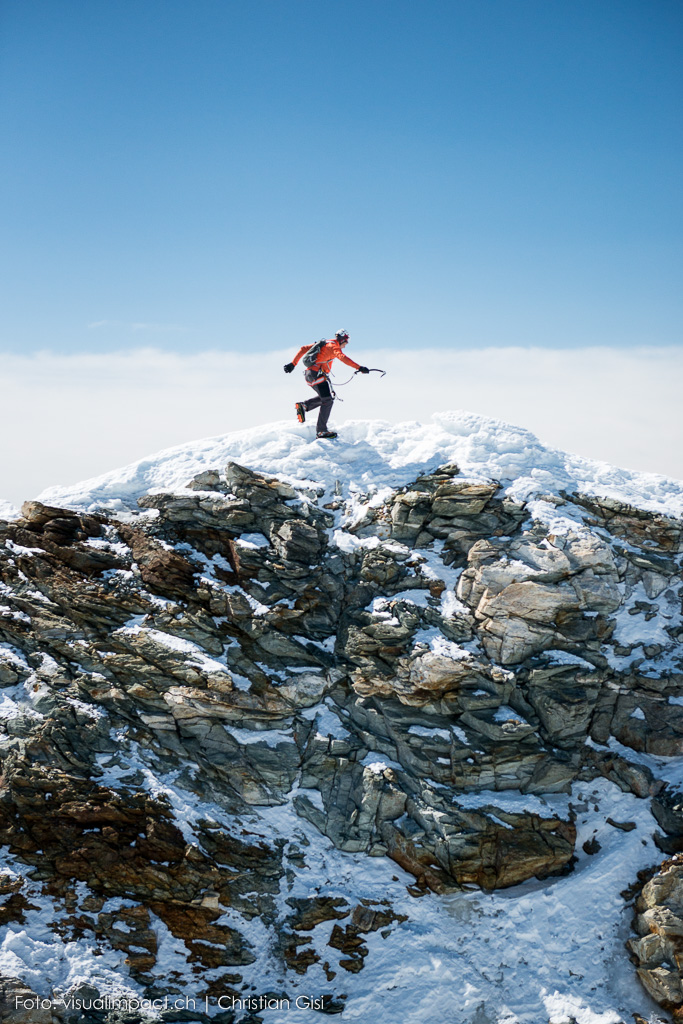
(323, 401)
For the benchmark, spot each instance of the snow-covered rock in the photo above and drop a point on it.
(262, 686)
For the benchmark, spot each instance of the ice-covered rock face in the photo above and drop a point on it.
(193, 691)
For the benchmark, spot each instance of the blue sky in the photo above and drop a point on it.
(252, 175)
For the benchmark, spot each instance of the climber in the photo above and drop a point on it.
(317, 360)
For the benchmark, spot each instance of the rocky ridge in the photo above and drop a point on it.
(384, 664)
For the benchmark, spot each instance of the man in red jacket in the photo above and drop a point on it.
(323, 353)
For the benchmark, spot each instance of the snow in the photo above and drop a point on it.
(34, 952)
(253, 540)
(271, 737)
(324, 645)
(197, 656)
(10, 708)
(327, 723)
(565, 658)
(438, 644)
(523, 955)
(17, 616)
(240, 682)
(506, 714)
(89, 710)
(421, 730)
(349, 542)
(633, 630)
(372, 454)
(514, 802)
(460, 734)
(13, 655)
(115, 547)
(380, 605)
(315, 797)
(452, 606)
(19, 549)
(8, 510)
(630, 624)
(377, 763)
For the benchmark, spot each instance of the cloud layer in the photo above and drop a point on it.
(65, 418)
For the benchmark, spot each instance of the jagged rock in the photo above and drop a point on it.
(209, 480)
(21, 1005)
(659, 949)
(11, 670)
(528, 593)
(162, 571)
(313, 911)
(219, 512)
(125, 845)
(60, 536)
(356, 801)
(634, 524)
(455, 645)
(667, 808)
(631, 778)
(297, 541)
(424, 677)
(646, 722)
(563, 697)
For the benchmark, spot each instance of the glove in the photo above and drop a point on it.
(363, 369)
(289, 367)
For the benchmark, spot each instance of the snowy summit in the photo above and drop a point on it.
(371, 454)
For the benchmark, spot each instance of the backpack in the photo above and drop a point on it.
(314, 351)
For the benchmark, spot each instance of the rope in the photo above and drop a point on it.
(345, 382)
(372, 370)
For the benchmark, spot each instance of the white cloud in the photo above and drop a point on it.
(64, 418)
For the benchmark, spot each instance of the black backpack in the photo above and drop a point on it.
(313, 353)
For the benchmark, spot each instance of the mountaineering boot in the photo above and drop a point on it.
(326, 433)
(300, 411)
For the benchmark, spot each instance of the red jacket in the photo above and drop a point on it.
(330, 351)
